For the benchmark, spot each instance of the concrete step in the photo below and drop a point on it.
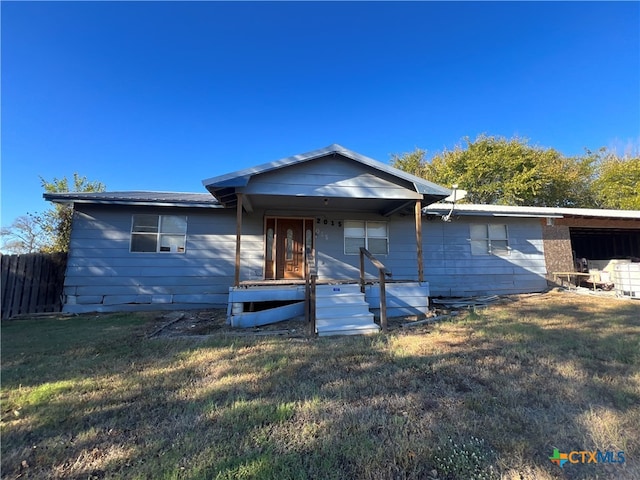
(341, 299)
(343, 311)
(369, 331)
(360, 325)
(338, 316)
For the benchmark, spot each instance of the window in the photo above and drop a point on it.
(489, 239)
(371, 235)
(158, 233)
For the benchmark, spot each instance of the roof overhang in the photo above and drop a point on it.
(226, 187)
(155, 199)
(529, 212)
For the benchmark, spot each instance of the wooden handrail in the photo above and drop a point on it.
(376, 263)
(383, 272)
(310, 276)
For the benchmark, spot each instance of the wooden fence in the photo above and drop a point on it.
(32, 283)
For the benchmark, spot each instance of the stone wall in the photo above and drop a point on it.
(557, 249)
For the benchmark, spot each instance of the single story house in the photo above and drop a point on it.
(257, 237)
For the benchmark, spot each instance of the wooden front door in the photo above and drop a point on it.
(286, 241)
(290, 248)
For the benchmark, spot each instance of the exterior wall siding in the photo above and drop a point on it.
(401, 259)
(452, 270)
(330, 176)
(103, 275)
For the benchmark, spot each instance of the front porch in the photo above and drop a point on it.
(337, 307)
(302, 224)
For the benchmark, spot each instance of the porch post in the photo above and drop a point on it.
(236, 280)
(419, 240)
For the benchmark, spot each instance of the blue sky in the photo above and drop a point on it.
(160, 95)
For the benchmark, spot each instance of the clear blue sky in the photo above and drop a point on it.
(160, 95)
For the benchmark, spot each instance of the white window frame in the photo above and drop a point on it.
(485, 239)
(162, 234)
(367, 235)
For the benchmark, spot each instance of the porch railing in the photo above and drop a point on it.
(310, 277)
(383, 272)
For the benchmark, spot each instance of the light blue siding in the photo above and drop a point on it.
(334, 177)
(103, 275)
(333, 263)
(402, 299)
(452, 270)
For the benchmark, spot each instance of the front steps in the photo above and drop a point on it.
(342, 310)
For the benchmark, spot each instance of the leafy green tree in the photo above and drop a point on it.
(414, 162)
(496, 170)
(618, 183)
(56, 222)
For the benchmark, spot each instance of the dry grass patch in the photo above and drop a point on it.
(487, 395)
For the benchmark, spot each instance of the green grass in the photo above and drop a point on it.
(486, 396)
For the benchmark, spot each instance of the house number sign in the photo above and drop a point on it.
(325, 221)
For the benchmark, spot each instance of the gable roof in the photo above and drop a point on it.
(143, 198)
(361, 183)
(220, 186)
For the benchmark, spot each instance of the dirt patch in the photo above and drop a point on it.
(213, 322)
(206, 323)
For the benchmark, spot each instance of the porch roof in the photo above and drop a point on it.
(225, 187)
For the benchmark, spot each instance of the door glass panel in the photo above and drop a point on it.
(270, 244)
(308, 240)
(289, 246)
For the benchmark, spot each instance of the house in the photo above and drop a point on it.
(602, 237)
(250, 240)
(255, 241)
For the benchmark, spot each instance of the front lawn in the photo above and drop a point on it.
(488, 395)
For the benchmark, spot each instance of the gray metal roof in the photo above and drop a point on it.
(523, 211)
(163, 199)
(241, 178)
(222, 188)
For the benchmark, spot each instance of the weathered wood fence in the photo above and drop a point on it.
(32, 283)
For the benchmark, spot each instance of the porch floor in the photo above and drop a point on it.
(290, 281)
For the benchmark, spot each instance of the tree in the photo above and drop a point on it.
(618, 183)
(24, 235)
(414, 162)
(496, 170)
(56, 222)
